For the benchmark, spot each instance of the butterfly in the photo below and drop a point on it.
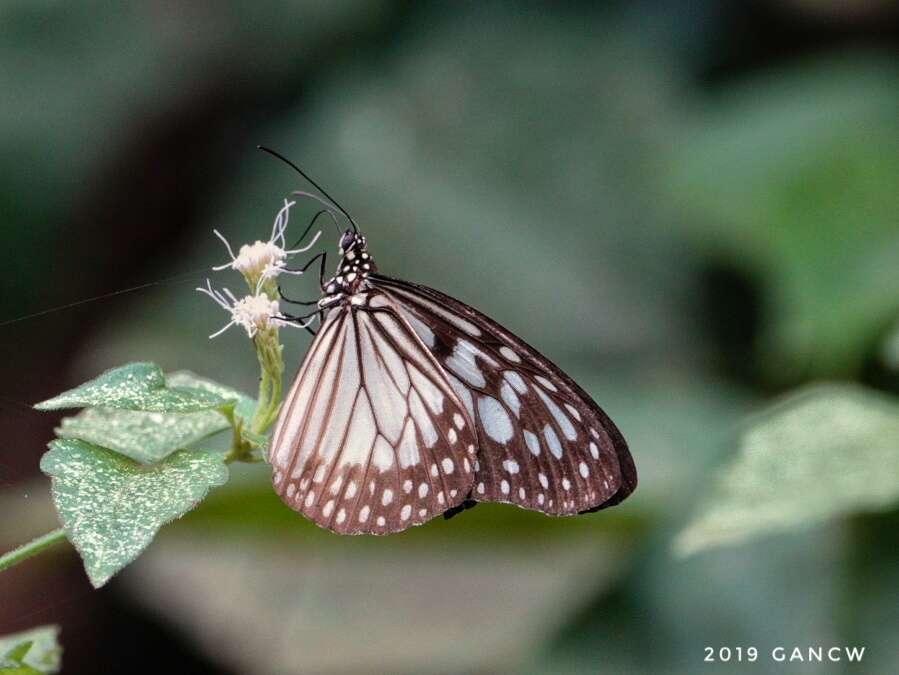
(410, 404)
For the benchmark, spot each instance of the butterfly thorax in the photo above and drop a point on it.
(350, 278)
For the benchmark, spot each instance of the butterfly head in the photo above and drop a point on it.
(355, 265)
(350, 241)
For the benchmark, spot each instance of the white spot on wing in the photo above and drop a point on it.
(504, 486)
(510, 465)
(463, 394)
(594, 451)
(387, 497)
(515, 380)
(495, 419)
(545, 382)
(462, 363)
(574, 413)
(583, 470)
(509, 354)
(447, 464)
(533, 442)
(555, 447)
(510, 398)
(561, 418)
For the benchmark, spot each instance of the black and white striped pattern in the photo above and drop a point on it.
(409, 403)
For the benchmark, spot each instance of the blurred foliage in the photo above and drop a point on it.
(891, 349)
(797, 188)
(30, 652)
(826, 451)
(575, 171)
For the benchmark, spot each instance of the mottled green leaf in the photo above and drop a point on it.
(150, 436)
(828, 450)
(136, 386)
(245, 407)
(32, 651)
(112, 507)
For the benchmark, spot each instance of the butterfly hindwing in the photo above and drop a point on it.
(543, 443)
(372, 437)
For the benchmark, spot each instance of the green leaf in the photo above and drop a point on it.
(32, 651)
(136, 386)
(148, 437)
(112, 507)
(245, 406)
(826, 451)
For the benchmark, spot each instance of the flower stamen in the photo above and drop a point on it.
(253, 313)
(261, 261)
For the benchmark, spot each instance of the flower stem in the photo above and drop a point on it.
(32, 548)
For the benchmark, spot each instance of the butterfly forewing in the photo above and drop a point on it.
(543, 443)
(372, 437)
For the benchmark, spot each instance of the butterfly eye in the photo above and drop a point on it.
(347, 240)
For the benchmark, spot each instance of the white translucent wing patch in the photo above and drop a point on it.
(372, 437)
(543, 443)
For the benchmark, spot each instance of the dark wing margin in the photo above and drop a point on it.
(544, 444)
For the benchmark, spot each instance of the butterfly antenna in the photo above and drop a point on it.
(318, 187)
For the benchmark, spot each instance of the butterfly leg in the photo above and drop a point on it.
(299, 319)
(323, 256)
(306, 303)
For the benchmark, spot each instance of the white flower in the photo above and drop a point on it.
(265, 259)
(253, 313)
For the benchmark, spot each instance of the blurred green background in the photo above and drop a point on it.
(689, 206)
